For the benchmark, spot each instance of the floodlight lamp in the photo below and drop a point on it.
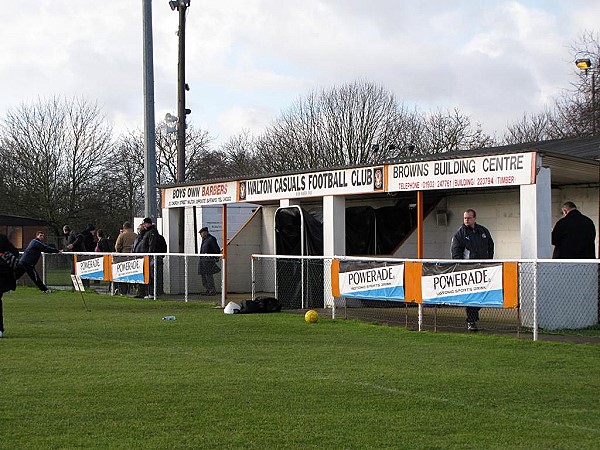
(173, 4)
(583, 63)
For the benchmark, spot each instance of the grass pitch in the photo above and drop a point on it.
(119, 377)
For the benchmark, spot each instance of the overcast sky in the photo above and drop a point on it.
(247, 60)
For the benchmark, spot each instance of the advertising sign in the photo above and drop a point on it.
(477, 284)
(90, 269)
(131, 271)
(206, 194)
(479, 172)
(369, 280)
(332, 182)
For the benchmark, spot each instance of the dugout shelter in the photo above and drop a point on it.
(408, 208)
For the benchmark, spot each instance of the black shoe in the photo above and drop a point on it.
(472, 326)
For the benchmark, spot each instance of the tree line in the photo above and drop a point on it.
(60, 161)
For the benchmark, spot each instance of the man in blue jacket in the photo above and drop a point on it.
(472, 241)
(30, 258)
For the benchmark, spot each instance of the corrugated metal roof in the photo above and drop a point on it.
(572, 161)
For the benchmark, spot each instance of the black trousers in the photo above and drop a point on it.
(33, 274)
(472, 313)
(208, 282)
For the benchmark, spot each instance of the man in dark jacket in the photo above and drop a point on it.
(148, 243)
(80, 242)
(573, 236)
(472, 241)
(70, 236)
(207, 266)
(30, 258)
(7, 276)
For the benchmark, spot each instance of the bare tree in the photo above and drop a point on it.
(57, 149)
(449, 131)
(240, 155)
(198, 161)
(576, 111)
(358, 123)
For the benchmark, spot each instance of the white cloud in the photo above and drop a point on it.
(249, 59)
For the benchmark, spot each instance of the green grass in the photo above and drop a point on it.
(119, 377)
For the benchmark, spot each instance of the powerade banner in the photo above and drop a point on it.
(91, 269)
(478, 284)
(131, 270)
(369, 280)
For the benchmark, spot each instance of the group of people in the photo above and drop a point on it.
(147, 240)
(573, 237)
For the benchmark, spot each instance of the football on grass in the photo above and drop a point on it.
(311, 316)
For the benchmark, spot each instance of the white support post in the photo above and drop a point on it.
(334, 239)
(536, 217)
(186, 276)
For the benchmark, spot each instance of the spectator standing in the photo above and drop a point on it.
(124, 244)
(573, 236)
(7, 277)
(30, 258)
(472, 241)
(102, 244)
(150, 243)
(207, 266)
(71, 243)
(81, 242)
(126, 239)
(89, 239)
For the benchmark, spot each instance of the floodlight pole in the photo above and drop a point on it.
(181, 112)
(149, 121)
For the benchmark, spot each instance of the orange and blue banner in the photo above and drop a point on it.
(490, 285)
(369, 280)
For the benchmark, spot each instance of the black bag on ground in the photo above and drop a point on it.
(260, 305)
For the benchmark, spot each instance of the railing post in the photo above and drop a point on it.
(535, 300)
(186, 277)
(155, 275)
(253, 277)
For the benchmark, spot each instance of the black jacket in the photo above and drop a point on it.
(472, 243)
(208, 265)
(149, 241)
(7, 279)
(573, 237)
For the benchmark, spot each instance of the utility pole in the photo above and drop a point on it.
(149, 121)
(181, 6)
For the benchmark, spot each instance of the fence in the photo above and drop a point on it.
(552, 296)
(166, 276)
(557, 297)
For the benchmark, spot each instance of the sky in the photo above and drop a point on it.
(249, 60)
